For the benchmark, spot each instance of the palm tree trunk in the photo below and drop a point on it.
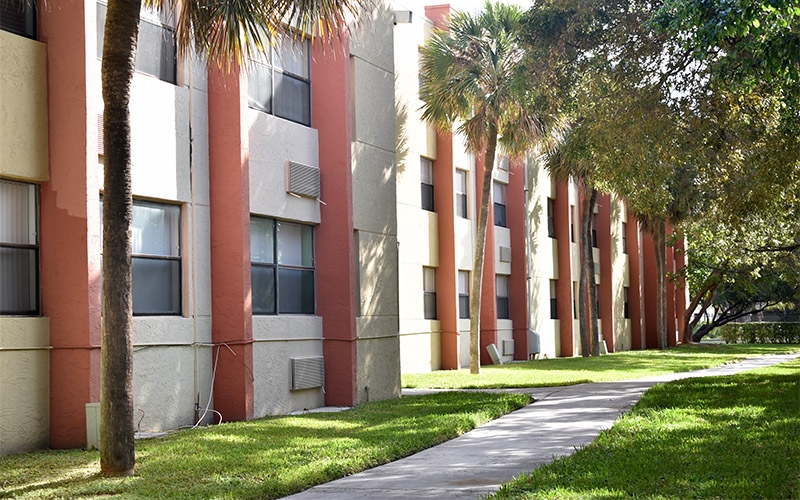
(594, 313)
(478, 259)
(660, 245)
(117, 457)
(587, 268)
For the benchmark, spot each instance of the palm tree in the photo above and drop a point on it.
(225, 32)
(566, 157)
(469, 75)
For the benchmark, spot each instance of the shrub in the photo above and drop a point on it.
(760, 333)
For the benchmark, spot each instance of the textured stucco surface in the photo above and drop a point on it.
(273, 142)
(24, 384)
(23, 108)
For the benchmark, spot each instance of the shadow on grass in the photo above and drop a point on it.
(270, 457)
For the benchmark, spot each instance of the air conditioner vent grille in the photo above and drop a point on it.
(307, 373)
(303, 180)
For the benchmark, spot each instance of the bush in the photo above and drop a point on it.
(760, 333)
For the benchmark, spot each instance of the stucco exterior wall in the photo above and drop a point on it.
(24, 384)
(273, 142)
(374, 205)
(543, 261)
(23, 109)
(620, 276)
(277, 340)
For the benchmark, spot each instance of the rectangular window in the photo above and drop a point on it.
(572, 217)
(426, 183)
(463, 294)
(501, 282)
(18, 17)
(499, 195)
(553, 299)
(626, 312)
(282, 267)
(156, 259)
(624, 237)
(429, 292)
(551, 217)
(279, 82)
(594, 230)
(461, 194)
(155, 47)
(19, 249)
(575, 299)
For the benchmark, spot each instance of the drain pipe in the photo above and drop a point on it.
(195, 345)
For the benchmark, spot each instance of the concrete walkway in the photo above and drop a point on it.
(561, 420)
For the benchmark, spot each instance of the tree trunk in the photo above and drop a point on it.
(478, 259)
(594, 312)
(587, 269)
(688, 325)
(117, 457)
(660, 245)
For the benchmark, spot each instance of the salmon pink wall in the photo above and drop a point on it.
(70, 258)
(229, 194)
(517, 281)
(446, 273)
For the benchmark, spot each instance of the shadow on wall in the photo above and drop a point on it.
(401, 130)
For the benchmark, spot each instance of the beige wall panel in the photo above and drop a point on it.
(378, 277)
(24, 384)
(23, 109)
(272, 377)
(374, 190)
(378, 369)
(273, 142)
(420, 352)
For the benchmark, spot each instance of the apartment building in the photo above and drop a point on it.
(264, 230)
(530, 302)
(299, 233)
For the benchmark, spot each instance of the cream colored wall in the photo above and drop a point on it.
(543, 259)
(23, 109)
(374, 207)
(277, 339)
(620, 276)
(24, 384)
(24, 341)
(273, 142)
(417, 229)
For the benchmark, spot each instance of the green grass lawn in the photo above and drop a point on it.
(266, 458)
(273, 457)
(719, 437)
(618, 366)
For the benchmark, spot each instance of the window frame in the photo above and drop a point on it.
(275, 71)
(28, 19)
(429, 305)
(462, 203)
(499, 190)
(168, 67)
(142, 257)
(276, 266)
(624, 238)
(626, 306)
(34, 279)
(502, 301)
(463, 294)
(427, 189)
(551, 217)
(553, 299)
